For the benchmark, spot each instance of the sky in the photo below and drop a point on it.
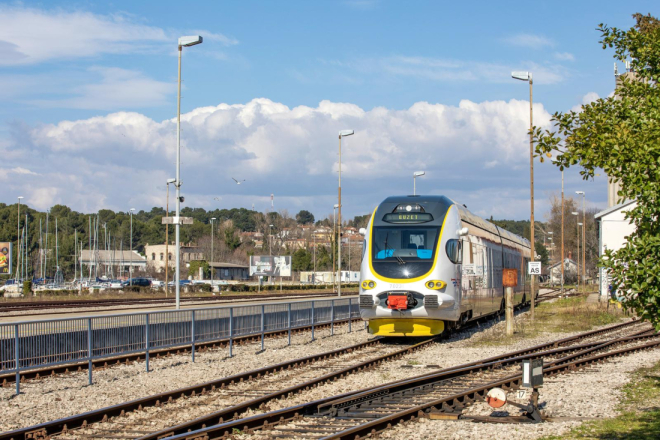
(88, 101)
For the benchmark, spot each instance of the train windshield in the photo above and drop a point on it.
(407, 243)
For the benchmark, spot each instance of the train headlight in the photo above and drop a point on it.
(436, 285)
(368, 284)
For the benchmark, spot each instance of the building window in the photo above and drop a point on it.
(153, 256)
(161, 256)
(169, 257)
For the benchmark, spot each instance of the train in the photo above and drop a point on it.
(430, 265)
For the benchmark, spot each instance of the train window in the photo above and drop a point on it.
(454, 251)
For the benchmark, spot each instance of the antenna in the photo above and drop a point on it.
(616, 70)
(627, 66)
(272, 205)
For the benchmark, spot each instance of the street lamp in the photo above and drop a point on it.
(342, 133)
(18, 236)
(334, 239)
(527, 76)
(183, 42)
(167, 237)
(270, 240)
(584, 240)
(130, 268)
(577, 239)
(416, 174)
(212, 253)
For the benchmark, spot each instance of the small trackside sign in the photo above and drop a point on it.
(534, 268)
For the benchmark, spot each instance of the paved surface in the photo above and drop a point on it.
(89, 312)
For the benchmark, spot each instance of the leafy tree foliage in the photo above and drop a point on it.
(621, 136)
(305, 217)
(301, 260)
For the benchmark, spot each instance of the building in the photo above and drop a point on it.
(156, 255)
(613, 228)
(570, 271)
(117, 262)
(230, 271)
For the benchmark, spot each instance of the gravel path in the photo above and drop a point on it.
(66, 395)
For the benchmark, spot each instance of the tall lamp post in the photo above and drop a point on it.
(167, 237)
(577, 239)
(130, 268)
(342, 133)
(212, 253)
(183, 42)
(527, 76)
(562, 232)
(18, 237)
(416, 174)
(584, 240)
(334, 239)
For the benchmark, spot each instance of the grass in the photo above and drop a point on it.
(560, 316)
(640, 412)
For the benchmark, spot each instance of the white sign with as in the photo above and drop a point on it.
(534, 268)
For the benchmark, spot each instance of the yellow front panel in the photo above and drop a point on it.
(406, 327)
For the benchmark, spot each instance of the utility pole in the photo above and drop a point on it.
(562, 232)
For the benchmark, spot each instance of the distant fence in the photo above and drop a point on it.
(39, 344)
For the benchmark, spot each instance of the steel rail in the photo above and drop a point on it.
(9, 307)
(201, 424)
(10, 378)
(464, 398)
(82, 420)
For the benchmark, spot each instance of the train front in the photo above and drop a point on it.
(407, 281)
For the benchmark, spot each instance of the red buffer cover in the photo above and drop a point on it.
(397, 302)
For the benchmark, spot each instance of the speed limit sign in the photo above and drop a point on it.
(534, 268)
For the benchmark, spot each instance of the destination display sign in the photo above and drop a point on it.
(418, 217)
(5, 258)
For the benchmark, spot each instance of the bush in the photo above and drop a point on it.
(27, 288)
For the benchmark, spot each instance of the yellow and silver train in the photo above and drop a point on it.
(430, 264)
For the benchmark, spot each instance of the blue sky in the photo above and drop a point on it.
(90, 88)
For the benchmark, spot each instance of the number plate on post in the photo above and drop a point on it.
(510, 277)
(534, 268)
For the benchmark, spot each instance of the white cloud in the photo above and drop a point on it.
(564, 56)
(123, 158)
(528, 40)
(586, 99)
(31, 35)
(117, 88)
(442, 70)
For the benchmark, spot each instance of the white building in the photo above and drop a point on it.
(570, 271)
(119, 261)
(612, 232)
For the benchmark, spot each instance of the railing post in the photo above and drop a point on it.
(146, 340)
(288, 321)
(16, 359)
(89, 349)
(192, 337)
(332, 318)
(350, 315)
(312, 320)
(262, 326)
(231, 331)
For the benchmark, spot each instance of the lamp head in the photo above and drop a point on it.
(574, 213)
(212, 218)
(170, 181)
(579, 193)
(336, 206)
(132, 209)
(550, 233)
(419, 173)
(579, 224)
(20, 197)
(344, 133)
(523, 76)
(190, 40)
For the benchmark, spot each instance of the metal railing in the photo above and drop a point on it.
(39, 344)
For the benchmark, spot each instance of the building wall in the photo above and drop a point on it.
(613, 231)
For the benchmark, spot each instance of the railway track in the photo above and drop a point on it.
(364, 413)
(41, 373)
(23, 306)
(228, 399)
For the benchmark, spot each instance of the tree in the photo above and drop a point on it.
(621, 135)
(304, 217)
(301, 260)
